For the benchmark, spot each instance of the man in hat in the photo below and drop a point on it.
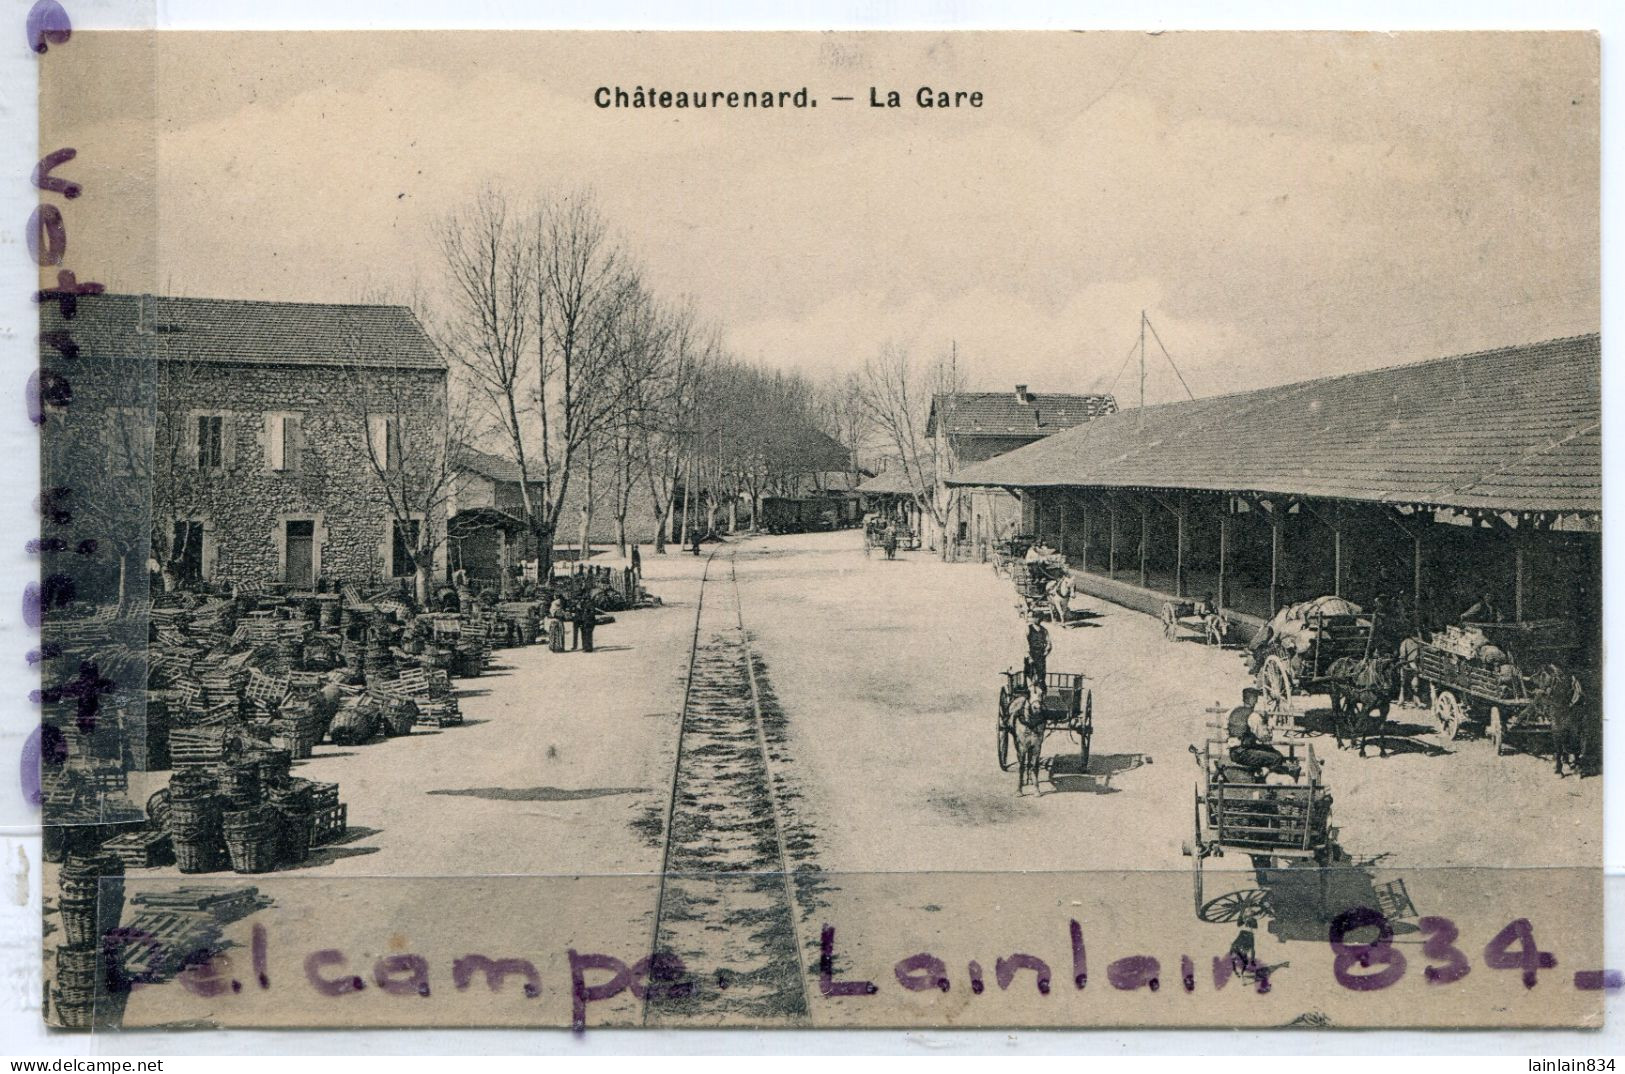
(1038, 648)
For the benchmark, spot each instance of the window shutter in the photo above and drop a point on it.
(378, 440)
(228, 441)
(275, 442)
(293, 442)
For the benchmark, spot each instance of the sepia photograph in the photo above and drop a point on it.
(841, 530)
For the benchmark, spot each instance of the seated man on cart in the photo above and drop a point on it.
(1249, 739)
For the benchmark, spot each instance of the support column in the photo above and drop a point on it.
(1222, 596)
(1179, 549)
(1145, 538)
(1275, 563)
(1337, 551)
(1061, 536)
(1519, 578)
(1111, 560)
(1088, 530)
(1416, 578)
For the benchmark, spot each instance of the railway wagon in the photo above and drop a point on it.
(801, 514)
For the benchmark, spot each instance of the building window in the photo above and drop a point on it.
(211, 442)
(384, 442)
(284, 442)
(405, 543)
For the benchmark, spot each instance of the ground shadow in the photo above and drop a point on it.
(610, 648)
(470, 693)
(1300, 909)
(537, 794)
(327, 855)
(491, 669)
(1068, 776)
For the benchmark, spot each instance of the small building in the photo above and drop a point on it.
(244, 443)
(485, 531)
(966, 428)
(1432, 484)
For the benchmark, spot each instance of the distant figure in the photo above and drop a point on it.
(586, 620)
(637, 564)
(555, 625)
(1484, 611)
(889, 541)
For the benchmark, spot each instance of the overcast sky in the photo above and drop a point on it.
(1283, 206)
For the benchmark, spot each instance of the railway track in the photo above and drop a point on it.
(726, 905)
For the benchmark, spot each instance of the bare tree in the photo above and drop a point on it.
(900, 393)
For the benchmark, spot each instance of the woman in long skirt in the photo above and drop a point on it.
(555, 626)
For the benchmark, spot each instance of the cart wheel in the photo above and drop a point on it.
(1447, 712)
(1497, 729)
(1236, 905)
(1276, 683)
(1170, 625)
(1196, 851)
(1004, 728)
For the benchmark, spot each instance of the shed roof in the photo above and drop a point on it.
(893, 482)
(233, 330)
(1030, 414)
(487, 465)
(1512, 429)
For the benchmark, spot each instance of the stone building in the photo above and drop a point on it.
(245, 443)
(971, 427)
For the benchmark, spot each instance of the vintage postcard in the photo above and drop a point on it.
(833, 530)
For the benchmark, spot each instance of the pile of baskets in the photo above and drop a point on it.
(249, 813)
(89, 989)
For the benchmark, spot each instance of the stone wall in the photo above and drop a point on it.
(243, 504)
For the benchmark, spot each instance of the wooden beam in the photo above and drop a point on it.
(1337, 551)
(1275, 562)
(1088, 529)
(1111, 561)
(1416, 579)
(1519, 580)
(1179, 549)
(1224, 551)
(1145, 538)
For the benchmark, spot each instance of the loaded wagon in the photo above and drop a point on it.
(1481, 673)
(1323, 639)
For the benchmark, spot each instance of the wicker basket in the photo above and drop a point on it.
(295, 832)
(252, 838)
(240, 784)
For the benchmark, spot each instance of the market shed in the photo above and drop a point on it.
(1433, 484)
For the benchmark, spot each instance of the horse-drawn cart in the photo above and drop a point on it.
(1482, 672)
(1032, 581)
(1301, 663)
(1009, 552)
(1276, 824)
(1068, 706)
(1199, 617)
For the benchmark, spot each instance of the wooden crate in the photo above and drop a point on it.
(331, 822)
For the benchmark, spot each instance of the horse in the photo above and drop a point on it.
(1556, 697)
(1359, 687)
(1027, 712)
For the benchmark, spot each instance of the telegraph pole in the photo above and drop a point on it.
(1141, 418)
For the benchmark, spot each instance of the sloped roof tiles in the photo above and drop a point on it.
(245, 331)
(1512, 429)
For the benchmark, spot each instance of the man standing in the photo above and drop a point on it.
(586, 619)
(1038, 647)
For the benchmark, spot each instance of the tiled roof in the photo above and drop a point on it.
(240, 330)
(1003, 414)
(894, 481)
(1513, 429)
(487, 465)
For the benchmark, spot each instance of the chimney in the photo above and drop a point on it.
(1022, 395)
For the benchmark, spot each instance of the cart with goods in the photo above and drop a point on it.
(1278, 821)
(1483, 673)
(1307, 643)
(1068, 706)
(1197, 617)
